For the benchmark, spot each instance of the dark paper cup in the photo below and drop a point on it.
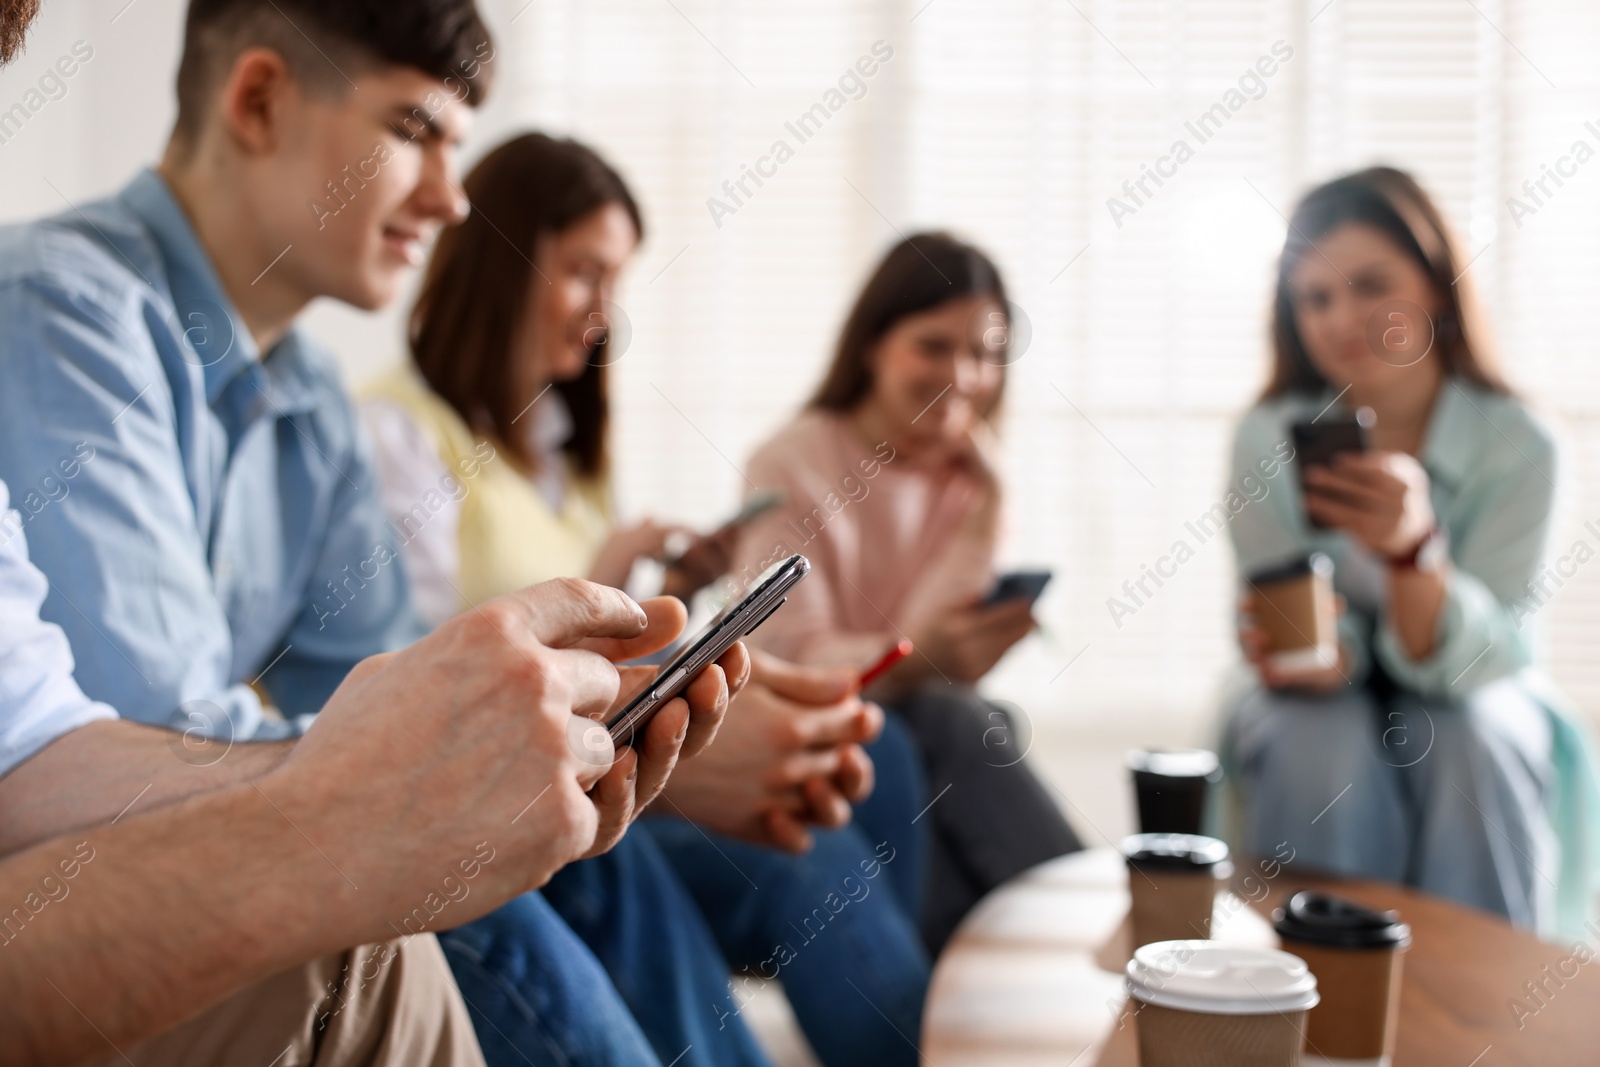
(1171, 787)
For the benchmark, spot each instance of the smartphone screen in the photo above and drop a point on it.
(1018, 585)
(1316, 443)
(732, 623)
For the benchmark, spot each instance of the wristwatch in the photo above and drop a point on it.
(1428, 557)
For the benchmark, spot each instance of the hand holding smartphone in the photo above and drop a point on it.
(1317, 442)
(757, 505)
(734, 622)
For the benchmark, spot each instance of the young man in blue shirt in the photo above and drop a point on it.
(219, 535)
(171, 917)
(208, 524)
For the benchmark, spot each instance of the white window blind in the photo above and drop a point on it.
(1014, 123)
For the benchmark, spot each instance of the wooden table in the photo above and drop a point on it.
(1034, 975)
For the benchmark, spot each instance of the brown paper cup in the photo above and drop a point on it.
(1203, 1004)
(1169, 906)
(1360, 1005)
(1169, 1037)
(1296, 608)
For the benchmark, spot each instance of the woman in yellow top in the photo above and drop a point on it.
(492, 446)
(493, 441)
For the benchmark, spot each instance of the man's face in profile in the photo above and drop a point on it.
(15, 18)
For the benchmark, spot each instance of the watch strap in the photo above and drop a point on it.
(1424, 556)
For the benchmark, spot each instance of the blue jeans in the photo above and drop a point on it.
(637, 919)
(1448, 795)
(537, 995)
(841, 916)
(836, 926)
(667, 915)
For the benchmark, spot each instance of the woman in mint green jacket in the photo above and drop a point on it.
(1431, 753)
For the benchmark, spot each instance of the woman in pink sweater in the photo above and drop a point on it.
(891, 488)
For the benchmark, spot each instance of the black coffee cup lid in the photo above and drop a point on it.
(1315, 563)
(1174, 852)
(1175, 762)
(1327, 920)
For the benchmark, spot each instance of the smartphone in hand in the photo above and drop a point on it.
(733, 622)
(1318, 441)
(757, 505)
(1018, 585)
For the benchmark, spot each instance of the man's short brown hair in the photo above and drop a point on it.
(328, 43)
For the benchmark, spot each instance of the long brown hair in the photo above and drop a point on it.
(1390, 201)
(475, 292)
(921, 272)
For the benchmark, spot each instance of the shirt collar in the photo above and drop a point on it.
(211, 326)
(1454, 440)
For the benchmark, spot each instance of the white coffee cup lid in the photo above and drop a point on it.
(1218, 979)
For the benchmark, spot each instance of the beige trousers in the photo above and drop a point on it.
(388, 1004)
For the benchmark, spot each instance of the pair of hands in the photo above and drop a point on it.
(1381, 500)
(485, 732)
(964, 644)
(790, 755)
(707, 558)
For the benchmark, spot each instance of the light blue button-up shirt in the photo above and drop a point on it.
(227, 526)
(1492, 472)
(39, 701)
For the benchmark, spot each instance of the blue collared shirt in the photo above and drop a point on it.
(39, 701)
(1492, 472)
(226, 528)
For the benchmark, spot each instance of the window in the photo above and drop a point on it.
(1015, 124)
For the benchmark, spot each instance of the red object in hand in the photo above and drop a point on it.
(897, 652)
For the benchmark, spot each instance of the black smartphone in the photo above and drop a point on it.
(1318, 441)
(732, 623)
(1018, 585)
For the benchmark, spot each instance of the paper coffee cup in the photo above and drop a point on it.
(1172, 883)
(1295, 605)
(1171, 787)
(1201, 1004)
(1355, 953)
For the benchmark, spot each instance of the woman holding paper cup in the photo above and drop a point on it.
(1421, 745)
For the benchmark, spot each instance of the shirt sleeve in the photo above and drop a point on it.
(110, 518)
(39, 700)
(358, 601)
(1497, 547)
(409, 469)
